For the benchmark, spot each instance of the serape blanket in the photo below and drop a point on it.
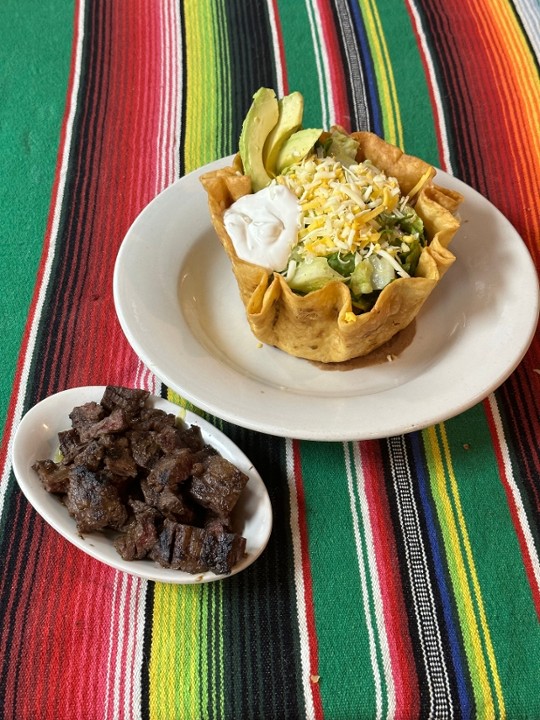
(402, 578)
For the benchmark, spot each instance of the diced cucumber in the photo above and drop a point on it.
(312, 275)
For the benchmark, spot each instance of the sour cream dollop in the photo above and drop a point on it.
(263, 227)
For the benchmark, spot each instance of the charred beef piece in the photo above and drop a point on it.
(130, 400)
(90, 455)
(70, 445)
(140, 534)
(86, 414)
(193, 549)
(170, 502)
(192, 438)
(119, 459)
(116, 422)
(153, 419)
(54, 476)
(93, 501)
(171, 469)
(144, 448)
(217, 484)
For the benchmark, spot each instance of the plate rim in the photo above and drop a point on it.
(318, 433)
(33, 489)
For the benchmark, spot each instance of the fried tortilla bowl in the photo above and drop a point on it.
(322, 325)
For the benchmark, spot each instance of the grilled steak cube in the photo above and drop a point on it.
(90, 455)
(217, 484)
(93, 502)
(144, 448)
(54, 476)
(223, 550)
(192, 438)
(141, 533)
(119, 460)
(116, 422)
(171, 469)
(86, 414)
(153, 419)
(170, 502)
(128, 399)
(193, 549)
(70, 445)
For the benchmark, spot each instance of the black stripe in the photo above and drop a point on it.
(260, 635)
(424, 617)
(183, 80)
(252, 62)
(146, 652)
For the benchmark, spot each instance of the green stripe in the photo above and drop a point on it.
(300, 59)
(346, 677)
(514, 632)
(413, 100)
(33, 96)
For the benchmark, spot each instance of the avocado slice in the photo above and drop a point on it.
(260, 120)
(291, 110)
(296, 148)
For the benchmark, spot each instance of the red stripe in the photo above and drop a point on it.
(430, 86)
(306, 575)
(338, 83)
(395, 615)
(281, 47)
(514, 511)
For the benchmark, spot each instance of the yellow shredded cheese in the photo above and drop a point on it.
(339, 205)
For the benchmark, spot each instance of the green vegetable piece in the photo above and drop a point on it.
(361, 279)
(343, 264)
(260, 120)
(295, 149)
(291, 110)
(383, 272)
(313, 275)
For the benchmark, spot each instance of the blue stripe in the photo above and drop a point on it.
(367, 63)
(438, 564)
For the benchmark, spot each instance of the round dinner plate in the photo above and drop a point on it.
(178, 304)
(36, 438)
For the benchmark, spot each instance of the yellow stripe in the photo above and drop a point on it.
(174, 667)
(458, 572)
(474, 577)
(200, 141)
(393, 127)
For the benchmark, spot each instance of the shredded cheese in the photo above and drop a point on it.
(339, 205)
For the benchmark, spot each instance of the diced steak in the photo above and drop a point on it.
(140, 534)
(54, 476)
(129, 399)
(116, 422)
(193, 549)
(171, 469)
(218, 484)
(86, 414)
(93, 502)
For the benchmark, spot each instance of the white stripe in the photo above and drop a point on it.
(364, 585)
(530, 18)
(280, 89)
(421, 590)
(322, 65)
(66, 150)
(523, 522)
(375, 585)
(438, 109)
(299, 584)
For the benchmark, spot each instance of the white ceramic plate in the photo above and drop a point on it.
(178, 304)
(37, 439)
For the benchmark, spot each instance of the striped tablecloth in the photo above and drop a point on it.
(402, 578)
